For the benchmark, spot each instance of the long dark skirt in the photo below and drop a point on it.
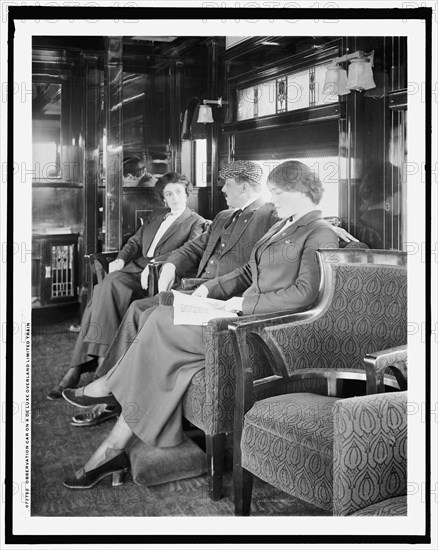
(153, 375)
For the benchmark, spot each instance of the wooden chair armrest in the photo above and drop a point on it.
(101, 259)
(394, 359)
(154, 273)
(245, 328)
(98, 265)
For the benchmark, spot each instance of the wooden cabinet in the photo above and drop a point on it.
(54, 269)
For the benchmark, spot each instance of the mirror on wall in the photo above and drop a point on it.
(46, 130)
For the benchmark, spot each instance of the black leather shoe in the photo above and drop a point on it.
(117, 467)
(55, 392)
(77, 397)
(98, 414)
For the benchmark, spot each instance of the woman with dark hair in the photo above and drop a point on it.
(127, 280)
(153, 375)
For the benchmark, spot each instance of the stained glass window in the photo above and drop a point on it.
(245, 103)
(298, 91)
(291, 92)
(267, 103)
(281, 94)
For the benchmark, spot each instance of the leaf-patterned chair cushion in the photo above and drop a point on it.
(396, 506)
(292, 433)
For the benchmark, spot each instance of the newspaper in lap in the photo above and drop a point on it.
(193, 310)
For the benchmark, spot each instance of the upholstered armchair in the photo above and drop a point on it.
(282, 433)
(209, 401)
(370, 455)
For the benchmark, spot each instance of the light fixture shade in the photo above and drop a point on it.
(335, 81)
(360, 75)
(382, 84)
(205, 114)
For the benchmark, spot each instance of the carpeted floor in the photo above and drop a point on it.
(58, 449)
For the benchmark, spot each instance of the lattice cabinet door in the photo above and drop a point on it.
(59, 269)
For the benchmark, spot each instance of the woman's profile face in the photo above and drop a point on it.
(287, 203)
(175, 196)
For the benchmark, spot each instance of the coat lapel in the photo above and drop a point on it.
(287, 234)
(242, 223)
(213, 239)
(150, 230)
(266, 240)
(174, 227)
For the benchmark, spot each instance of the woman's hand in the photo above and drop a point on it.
(235, 305)
(116, 265)
(201, 292)
(144, 278)
(344, 235)
(166, 279)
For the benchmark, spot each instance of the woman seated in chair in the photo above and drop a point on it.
(128, 274)
(152, 377)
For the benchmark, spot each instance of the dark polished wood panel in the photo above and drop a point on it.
(114, 126)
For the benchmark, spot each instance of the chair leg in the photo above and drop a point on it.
(215, 447)
(243, 481)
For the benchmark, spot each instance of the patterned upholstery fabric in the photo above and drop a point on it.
(352, 324)
(340, 454)
(340, 336)
(396, 506)
(370, 451)
(209, 400)
(288, 442)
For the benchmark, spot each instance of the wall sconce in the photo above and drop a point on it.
(335, 81)
(360, 74)
(205, 115)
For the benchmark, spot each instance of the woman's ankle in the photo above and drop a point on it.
(71, 377)
(97, 388)
(101, 456)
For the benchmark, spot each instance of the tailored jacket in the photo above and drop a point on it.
(282, 272)
(186, 227)
(254, 221)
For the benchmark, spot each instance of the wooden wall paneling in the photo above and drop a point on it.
(114, 175)
(57, 207)
(371, 146)
(214, 90)
(175, 137)
(90, 160)
(91, 151)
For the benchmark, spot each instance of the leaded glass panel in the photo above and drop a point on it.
(298, 90)
(267, 98)
(245, 103)
(281, 94)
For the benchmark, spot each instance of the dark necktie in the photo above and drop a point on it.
(233, 218)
